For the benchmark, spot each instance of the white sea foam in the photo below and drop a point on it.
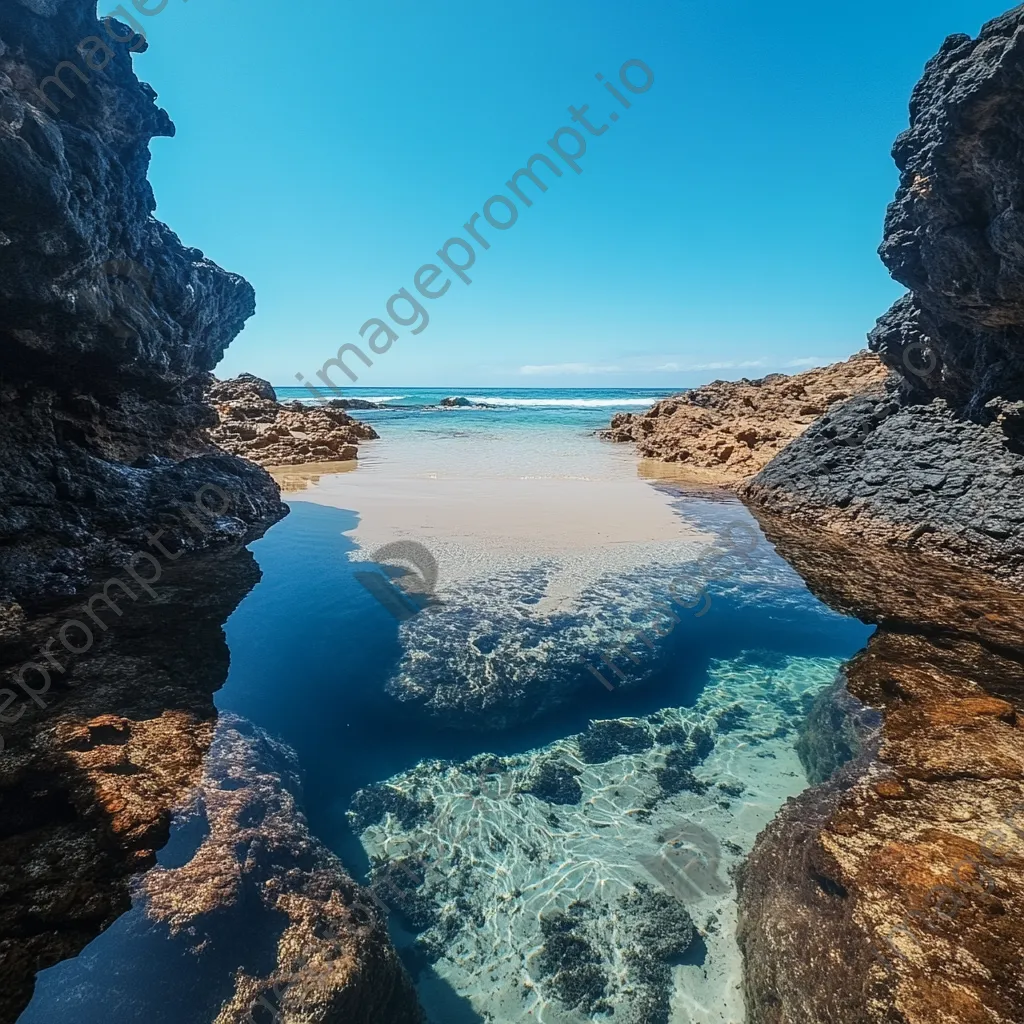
(559, 403)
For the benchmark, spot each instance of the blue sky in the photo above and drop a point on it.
(724, 226)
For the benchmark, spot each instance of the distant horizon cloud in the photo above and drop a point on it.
(571, 368)
(585, 369)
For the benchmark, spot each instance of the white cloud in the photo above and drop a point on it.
(806, 361)
(579, 369)
(692, 367)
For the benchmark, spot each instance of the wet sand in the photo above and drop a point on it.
(482, 502)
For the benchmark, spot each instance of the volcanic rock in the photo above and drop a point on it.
(108, 323)
(255, 426)
(726, 431)
(128, 740)
(938, 463)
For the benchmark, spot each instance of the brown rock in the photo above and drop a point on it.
(894, 891)
(254, 425)
(723, 433)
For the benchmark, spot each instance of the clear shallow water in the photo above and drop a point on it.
(319, 662)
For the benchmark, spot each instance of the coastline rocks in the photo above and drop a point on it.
(907, 864)
(255, 426)
(107, 323)
(938, 463)
(129, 741)
(88, 782)
(725, 432)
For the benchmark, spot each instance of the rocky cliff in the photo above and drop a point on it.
(724, 432)
(937, 464)
(108, 323)
(906, 867)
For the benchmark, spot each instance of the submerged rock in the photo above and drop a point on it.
(724, 432)
(254, 425)
(555, 782)
(607, 739)
(107, 322)
(259, 868)
(937, 464)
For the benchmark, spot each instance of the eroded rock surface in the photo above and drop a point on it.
(108, 323)
(260, 870)
(254, 425)
(92, 770)
(938, 464)
(907, 865)
(726, 431)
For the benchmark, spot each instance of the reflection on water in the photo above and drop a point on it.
(295, 479)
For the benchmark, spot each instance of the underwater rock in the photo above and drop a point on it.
(937, 464)
(662, 932)
(107, 322)
(725, 432)
(371, 804)
(260, 869)
(255, 426)
(837, 729)
(907, 864)
(554, 781)
(569, 961)
(607, 739)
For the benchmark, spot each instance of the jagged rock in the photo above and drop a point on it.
(913, 477)
(724, 432)
(938, 463)
(254, 425)
(907, 865)
(107, 322)
(129, 738)
(333, 963)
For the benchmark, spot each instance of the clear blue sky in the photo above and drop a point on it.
(725, 225)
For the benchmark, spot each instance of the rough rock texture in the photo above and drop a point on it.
(260, 871)
(108, 323)
(910, 476)
(939, 463)
(128, 739)
(254, 425)
(907, 865)
(725, 432)
(88, 780)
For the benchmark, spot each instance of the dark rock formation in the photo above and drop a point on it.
(126, 740)
(609, 738)
(108, 323)
(907, 865)
(939, 463)
(254, 425)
